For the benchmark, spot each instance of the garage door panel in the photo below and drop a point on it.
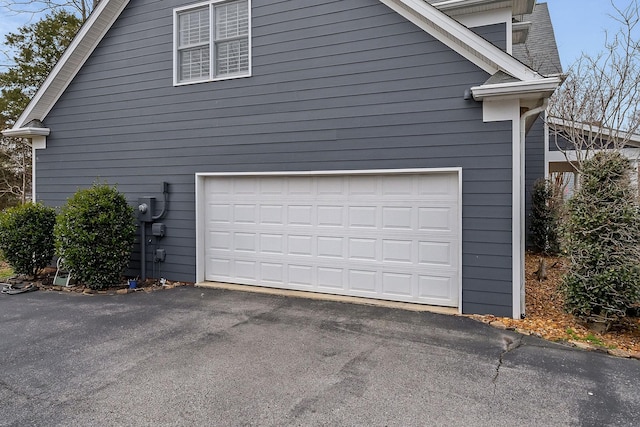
(272, 243)
(362, 249)
(220, 213)
(331, 247)
(398, 218)
(300, 215)
(331, 278)
(245, 187)
(435, 218)
(398, 251)
(436, 253)
(438, 185)
(272, 214)
(363, 281)
(386, 236)
(402, 285)
(362, 186)
(362, 217)
(301, 275)
(246, 269)
(435, 287)
(245, 214)
(330, 216)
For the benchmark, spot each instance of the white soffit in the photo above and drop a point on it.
(461, 39)
(93, 30)
(459, 7)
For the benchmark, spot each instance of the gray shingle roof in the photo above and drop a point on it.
(540, 51)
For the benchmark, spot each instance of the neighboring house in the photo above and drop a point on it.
(562, 154)
(357, 147)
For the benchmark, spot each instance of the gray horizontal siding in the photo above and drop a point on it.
(336, 85)
(534, 167)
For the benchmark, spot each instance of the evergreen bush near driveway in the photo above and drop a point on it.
(94, 233)
(26, 237)
(602, 235)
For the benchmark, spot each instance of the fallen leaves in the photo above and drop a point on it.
(546, 318)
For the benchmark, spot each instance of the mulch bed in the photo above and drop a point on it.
(45, 282)
(546, 318)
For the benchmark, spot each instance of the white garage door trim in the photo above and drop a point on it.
(201, 204)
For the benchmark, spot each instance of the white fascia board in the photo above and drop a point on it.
(595, 130)
(537, 88)
(461, 39)
(90, 34)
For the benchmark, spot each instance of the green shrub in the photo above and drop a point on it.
(602, 235)
(543, 230)
(26, 237)
(94, 234)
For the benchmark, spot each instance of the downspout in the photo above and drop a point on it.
(523, 124)
(33, 174)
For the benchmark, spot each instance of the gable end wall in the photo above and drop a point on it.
(336, 85)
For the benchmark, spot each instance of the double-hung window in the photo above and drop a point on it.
(212, 41)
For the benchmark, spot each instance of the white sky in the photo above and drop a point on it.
(579, 25)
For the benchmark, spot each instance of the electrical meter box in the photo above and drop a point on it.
(146, 208)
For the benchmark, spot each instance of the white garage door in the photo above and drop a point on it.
(385, 236)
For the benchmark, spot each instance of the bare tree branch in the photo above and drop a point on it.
(597, 106)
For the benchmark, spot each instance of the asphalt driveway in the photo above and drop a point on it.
(193, 356)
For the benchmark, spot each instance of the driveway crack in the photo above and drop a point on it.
(509, 345)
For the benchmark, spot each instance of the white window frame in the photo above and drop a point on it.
(176, 38)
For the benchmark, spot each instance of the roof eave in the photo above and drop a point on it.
(460, 7)
(26, 132)
(530, 89)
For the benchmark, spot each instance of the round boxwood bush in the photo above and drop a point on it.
(94, 234)
(26, 237)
